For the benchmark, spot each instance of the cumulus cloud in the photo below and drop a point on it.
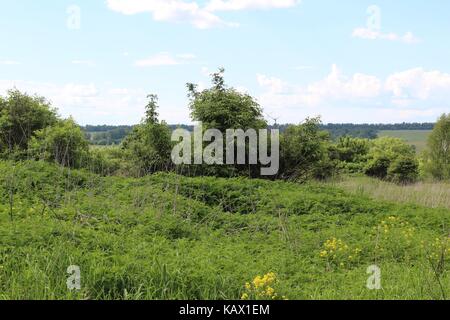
(235, 5)
(335, 86)
(87, 103)
(201, 17)
(419, 84)
(368, 34)
(416, 89)
(170, 10)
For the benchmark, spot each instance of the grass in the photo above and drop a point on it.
(417, 138)
(428, 194)
(171, 237)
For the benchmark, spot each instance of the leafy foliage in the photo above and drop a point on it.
(437, 157)
(21, 115)
(63, 143)
(304, 152)
(149, 145)
(391, 158)
(168, 237)
(224, 108)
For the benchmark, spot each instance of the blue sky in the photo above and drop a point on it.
(348, 61)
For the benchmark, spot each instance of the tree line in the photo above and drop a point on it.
(30, 128)
(104, 135)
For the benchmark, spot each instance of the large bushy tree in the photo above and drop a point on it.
(64, 143)
(305, 152)
(222, 107)
(149, 145)
(392, 159)
(437, 157)
(21, 115)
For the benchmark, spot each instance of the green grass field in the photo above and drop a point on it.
(417, 138)
(172, 237)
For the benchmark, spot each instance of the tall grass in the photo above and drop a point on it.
(171, 237)
(428, 194)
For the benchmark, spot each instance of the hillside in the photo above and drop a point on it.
(171, 237)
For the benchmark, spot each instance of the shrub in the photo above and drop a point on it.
(437, 157)
(403, 170)
(63, 143)
(304, 152)
(149, 145)
(378, 167)
(392, 158)
(21, 115)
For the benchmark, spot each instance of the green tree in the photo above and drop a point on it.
(149, 145)
(21, 115)
(304, 152)
(222, 108)
(63, 143)
(437, 157)
(385, 152)
(403, 170)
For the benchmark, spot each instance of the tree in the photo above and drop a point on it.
(437, 157)
(391, 158)
(63, 143)
(222, 108)
(304, 152)
(151, 114)
(403, 170)
(21, 115)
(149, 145)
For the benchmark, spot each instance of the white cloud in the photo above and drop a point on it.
(9, 62)
(419, 84)
(191, 12)
(165, 59)
(414, 89)
(186, 56)
(368, 34)
(235, 5)
(87, 103)
(170, 10)
(334, 87)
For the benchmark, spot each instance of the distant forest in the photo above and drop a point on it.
(113, 135)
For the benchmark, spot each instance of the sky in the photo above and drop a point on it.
(378, 61)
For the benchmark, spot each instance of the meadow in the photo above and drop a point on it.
(429, 194)
(165, 236)
(417, 138)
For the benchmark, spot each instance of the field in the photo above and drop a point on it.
(417, 138)
(171, 237)
(429, 194)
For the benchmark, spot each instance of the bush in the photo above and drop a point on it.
(149, 145)
(304, 152)
(403, 170)
(378, 167)
(393, 159)
(437, 157)
(21, 115)
(63, 143)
